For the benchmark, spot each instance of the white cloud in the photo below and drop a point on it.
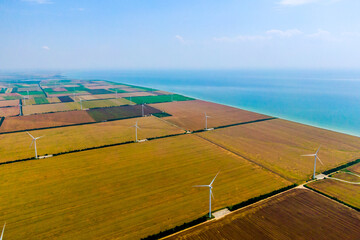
(320, 34)
(286, 33)
(46, 48)
(242, 38)
(39, 1)
(180, 38)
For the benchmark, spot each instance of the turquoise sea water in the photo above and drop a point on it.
(327, 99)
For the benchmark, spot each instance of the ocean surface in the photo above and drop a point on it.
(327, 99)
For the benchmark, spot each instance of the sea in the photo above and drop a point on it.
(327, 99)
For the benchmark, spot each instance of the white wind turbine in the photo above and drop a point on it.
(316, 157)
(2, 234)
(34, 141)
(206, 117)
(210, 192)
(136, 128)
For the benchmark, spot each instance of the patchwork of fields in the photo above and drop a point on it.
(130, 191)
(133, 190)
(296, 214)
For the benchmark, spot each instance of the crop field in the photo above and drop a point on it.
(278, 145)
(126, 192)
(105, 103)
(65, 99)
(15, 146)
(38, 93)
(41, 100)
(355, 169)
(346, 192)
(190, 115)
(21, 123)
(9, 103)
(48, 108)
(296, 214)
(9, 111)
(159, 99)
(104, 114)
(98, 91)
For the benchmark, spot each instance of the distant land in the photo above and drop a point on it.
(118, 160)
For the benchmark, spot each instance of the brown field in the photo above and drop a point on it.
(296, 214)
(278, 145)
(124, 192)
(9, 111)
(105, 103)
(190, 114)
(355, 169)
(15, 146)
(21, 123)
(46, 108)
(9, 103)
(67, 94)
(53, 100)
(85, 97)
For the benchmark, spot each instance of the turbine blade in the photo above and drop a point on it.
(319, 160)
(214, 179)
(31, 143)
(30, 135)
(318, 150)
(201, 186)
(308, 155)
(212, 195)
(39, 137)
(2, 234)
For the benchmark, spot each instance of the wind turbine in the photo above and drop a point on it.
(81, 103)
(34, 141)
(142, 109)
(136, 128)
(210, 192)
(116, 93)
(2, 234)
(206, 117)
(316, 157)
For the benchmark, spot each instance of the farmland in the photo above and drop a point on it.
(9, 111)
(105, 103)
(345, 192)
(296, 214)
(159, 99)
(190, 115)
(9, 103)
(47, 108)
(130, 191)
(104, 114)
(21, 123)
(15, 146)
(278, 145)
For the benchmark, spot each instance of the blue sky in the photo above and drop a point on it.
(187, 34)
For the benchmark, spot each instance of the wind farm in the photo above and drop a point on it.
(110, 186)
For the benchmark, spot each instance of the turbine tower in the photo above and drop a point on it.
(34, 141)
(2, 234)
(316, 157)
(116, 93)
(210, 192)
(206, 117)
(136, 128)
(142, 109)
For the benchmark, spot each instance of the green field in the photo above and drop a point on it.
(124, 192)
(40, 100)
(159, 99)
(24, 93)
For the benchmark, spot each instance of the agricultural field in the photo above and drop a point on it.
(9, 111)
(105, 103)
(129, 111)
(50, 108)
(345, 192)
(9, 103)
(278, 145)
(159, 99)
(127, 192)
(296, 214)
(15, 146)
(21, 123)
(190, 115)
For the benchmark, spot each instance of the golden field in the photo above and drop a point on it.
(190, 115)
(124, 192)
(278, 145)
(16, 145)
(296, 214)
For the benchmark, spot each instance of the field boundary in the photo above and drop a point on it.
(332, 198)
(246, 203)
(327, 172)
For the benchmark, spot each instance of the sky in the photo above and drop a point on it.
(186, 34)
